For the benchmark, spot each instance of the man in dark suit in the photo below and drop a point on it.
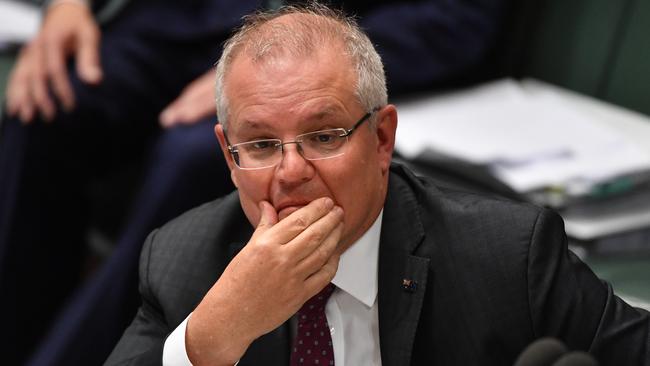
(421, 275)
(110, 84)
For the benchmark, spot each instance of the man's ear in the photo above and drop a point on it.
(221, 137)
(385, 128)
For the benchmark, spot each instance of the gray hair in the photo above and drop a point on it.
(315, 24)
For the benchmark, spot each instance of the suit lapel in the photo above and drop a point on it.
(402, 275)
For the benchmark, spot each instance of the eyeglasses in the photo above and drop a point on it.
(317, 145)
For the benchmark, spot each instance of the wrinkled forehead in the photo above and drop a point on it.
(314, 87)
(317, 116)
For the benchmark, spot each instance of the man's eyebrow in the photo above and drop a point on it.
(247, 129)
(325, 113)
(318, 115)
(254, 125)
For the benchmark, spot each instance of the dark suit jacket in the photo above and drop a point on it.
(491, 276)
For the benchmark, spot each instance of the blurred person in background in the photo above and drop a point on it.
(87, 102)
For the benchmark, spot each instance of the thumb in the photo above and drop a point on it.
(167, 117)
(88, 65)
(268, 216)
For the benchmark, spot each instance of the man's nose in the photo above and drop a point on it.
(294, 169)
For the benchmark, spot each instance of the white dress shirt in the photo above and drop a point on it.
(351, 311)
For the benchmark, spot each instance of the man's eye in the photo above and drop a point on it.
(262, 145)
(324, 138)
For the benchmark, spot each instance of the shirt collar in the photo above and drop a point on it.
(357, 271)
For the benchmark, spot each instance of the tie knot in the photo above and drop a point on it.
(315, 306)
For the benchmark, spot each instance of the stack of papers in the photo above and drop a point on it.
(554, 146)
(528, 134)
(19, 22)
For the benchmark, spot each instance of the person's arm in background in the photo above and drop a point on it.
(429, 44)
(39, 80)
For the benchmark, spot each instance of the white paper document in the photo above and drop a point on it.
(529, 134)
(19, 21)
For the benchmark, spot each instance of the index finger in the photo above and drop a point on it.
(88, 65)
(57, 72)
(298, 221)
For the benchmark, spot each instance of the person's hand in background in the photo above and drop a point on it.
(40, 74)
(195, 102)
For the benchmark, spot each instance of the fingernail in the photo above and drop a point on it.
(329, 203)
(338, 210)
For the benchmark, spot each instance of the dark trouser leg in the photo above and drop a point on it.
(185, 169)
(45, 170)
(41, 243)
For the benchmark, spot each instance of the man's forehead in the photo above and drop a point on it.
(324, 112)
(312, 88)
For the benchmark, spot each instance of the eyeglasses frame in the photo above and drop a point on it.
(232, 147)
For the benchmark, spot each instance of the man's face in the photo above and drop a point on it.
(285, 97)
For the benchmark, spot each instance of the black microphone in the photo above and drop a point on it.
(577, 358)
(542, 352)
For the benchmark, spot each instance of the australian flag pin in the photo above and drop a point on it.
(409, 285)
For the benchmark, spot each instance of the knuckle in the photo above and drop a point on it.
(262, 225)
(300, 223)
(322, 254)
(54, 64)
(317, 236)
(331, 272)
(48, 39)
(262, 246)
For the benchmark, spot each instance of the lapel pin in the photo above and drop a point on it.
(409, 285)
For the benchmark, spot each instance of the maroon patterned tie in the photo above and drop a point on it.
(313, 343)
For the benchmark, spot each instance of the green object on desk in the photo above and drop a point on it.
(611, 188)
(630, 276)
